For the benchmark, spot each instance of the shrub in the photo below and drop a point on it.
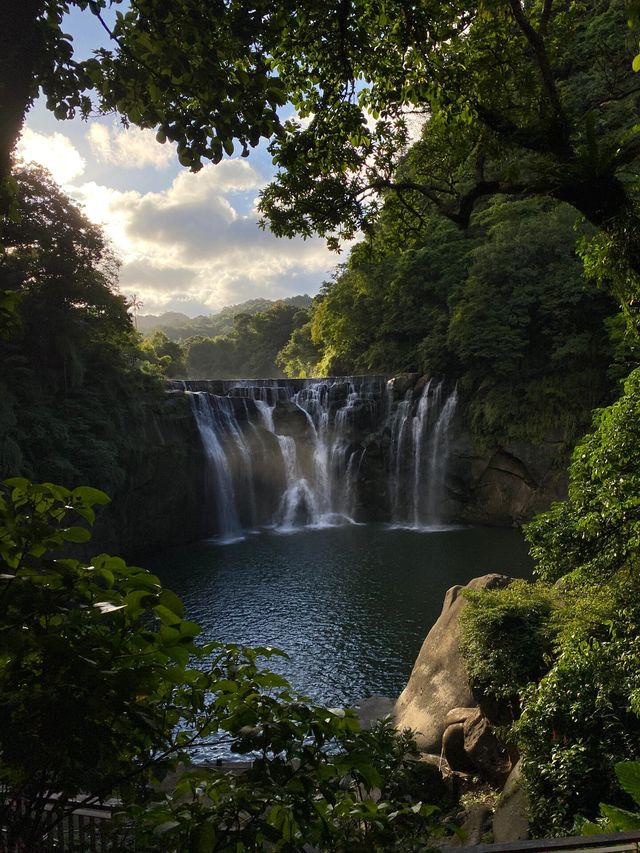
(576, 723)
(507, 637)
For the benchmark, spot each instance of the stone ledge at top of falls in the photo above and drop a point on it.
(282, 388)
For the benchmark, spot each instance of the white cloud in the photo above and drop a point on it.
(54, 151)
(129, 148)
(189, 245)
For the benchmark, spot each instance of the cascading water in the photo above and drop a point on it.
(439, 457)
(418, 456)
(302, 441)
(219, 482)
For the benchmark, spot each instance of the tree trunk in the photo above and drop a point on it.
(20, 43)
(600, 200)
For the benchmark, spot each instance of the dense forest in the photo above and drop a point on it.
(179, 327)
(500, 248)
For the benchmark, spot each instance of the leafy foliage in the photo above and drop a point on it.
(162, 356)
(507, 637)
(179, 327)
(72, 401)
(595, 533)
(93, 656)
(102, 662)
(612, 818)
(516, 97)
(577, 723)
(250, 350)
(503, 308)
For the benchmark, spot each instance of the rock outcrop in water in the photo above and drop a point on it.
(439, 685)
(450, 727)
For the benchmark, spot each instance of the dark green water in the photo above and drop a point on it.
(350, 605)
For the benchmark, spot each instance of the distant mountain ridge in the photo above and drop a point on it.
(178, 326)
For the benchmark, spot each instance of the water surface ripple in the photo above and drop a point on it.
(350, 605)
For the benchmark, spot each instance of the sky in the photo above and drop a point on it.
(187, 242)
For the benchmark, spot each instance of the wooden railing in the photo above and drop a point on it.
(82, 830)
(85, 830)
(617, 842)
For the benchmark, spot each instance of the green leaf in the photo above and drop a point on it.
(171, 601)
(166, 826)
(166, 616)
(621, 820)
(628, 773)
(90, 496)
(636, 63)
(203, 838)
(76, 534)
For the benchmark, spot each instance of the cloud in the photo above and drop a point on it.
(129, 148)
(54, 151)
(197, 242)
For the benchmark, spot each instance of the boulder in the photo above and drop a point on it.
(439, 681)
(511, 817)
(473, 827)
(453, 749)
(488, 755)
(459, 715)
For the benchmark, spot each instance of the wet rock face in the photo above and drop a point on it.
(503, 486)
(373, 485)
(290, 420)
(163, 501)
(498, 486)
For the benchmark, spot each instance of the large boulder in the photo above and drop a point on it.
(511, 817)
(453, 749)
(439, 682)
(489, 756)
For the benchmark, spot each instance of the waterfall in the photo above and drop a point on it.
(418, 457)
(439, 458)
(219, 480)
(290, 454)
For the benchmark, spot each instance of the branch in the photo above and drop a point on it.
(524, 137)
(544, 66)
(412, 211)
(546, 16)
(461, 213)
(611, 98)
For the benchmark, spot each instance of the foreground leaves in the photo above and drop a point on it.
(118, 692)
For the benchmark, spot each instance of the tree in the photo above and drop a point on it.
(596, 531)
(503, 308)
(72, 403)
(200, 71)
(535, 98)
(250, 349)
(163, 355)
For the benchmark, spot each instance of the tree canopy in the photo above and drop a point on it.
(503, 307)
(518, 98)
